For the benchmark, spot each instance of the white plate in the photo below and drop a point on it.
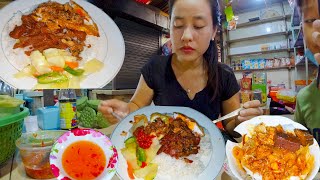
(218, 146)
(110, 44)
(91, 135)
(288, 124)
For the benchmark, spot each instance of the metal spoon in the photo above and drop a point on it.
(237, 137)
(227, 116)
(116, 116)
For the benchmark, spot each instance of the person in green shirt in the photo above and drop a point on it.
(308, 100)
(308, 109)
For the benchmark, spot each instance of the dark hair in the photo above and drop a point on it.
(211, 55)
(298, 4)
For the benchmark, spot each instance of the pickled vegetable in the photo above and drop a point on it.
(93, 66)
(53, 77)
(75, 72)
(39, 62)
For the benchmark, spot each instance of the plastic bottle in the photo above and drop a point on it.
(68, 109)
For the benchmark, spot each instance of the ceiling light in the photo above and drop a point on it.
(268, 29)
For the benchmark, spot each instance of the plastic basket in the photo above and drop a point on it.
(10, 131)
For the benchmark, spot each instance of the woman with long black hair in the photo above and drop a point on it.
(191, 76)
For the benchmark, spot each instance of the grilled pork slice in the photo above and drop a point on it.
(292, 142)
(304, 136)
(191, 123)
(157, 128)
(180, 141)
(287, 141)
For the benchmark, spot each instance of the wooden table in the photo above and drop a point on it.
(14, 170)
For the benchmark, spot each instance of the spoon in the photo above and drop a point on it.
(116, 116)
(227, 116)
(237, 137)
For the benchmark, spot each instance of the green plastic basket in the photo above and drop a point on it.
(10, 131)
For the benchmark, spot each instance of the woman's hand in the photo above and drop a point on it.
(113, 110)
(251, 109)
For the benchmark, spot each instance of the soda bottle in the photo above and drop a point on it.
(68, 109)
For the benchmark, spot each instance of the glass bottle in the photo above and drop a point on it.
(68, 109)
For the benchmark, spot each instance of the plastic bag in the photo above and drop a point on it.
(9, 105)
(8, 101)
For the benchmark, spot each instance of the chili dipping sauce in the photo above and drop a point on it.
(83, 160)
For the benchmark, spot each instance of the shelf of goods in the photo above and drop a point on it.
(265, 69)
(262, 52)
(264, 39)
(270, 48)
(260, 36)
(262, 21)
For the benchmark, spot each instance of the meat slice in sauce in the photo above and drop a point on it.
(287, 141)
(70, 16)
(53, 25)
(29, 27)
(179, 141)
(304, 137)
(38, 36)
(157, 128)
(187, 160)
(292, 142)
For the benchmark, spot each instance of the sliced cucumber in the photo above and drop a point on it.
(130, 140)
(141, 154)
(75, 72)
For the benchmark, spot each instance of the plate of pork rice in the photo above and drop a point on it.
(167, 142)
(58, 44)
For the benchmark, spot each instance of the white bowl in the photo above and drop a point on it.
(91, 135)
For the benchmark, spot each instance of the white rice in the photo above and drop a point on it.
(16, 57)
(19, 59)
(92, 52)
(171, 168)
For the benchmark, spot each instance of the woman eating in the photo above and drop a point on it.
(191, 76)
